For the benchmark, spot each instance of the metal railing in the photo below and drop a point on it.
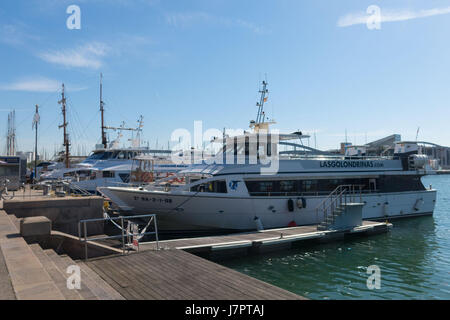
(83, 236)
(342, 195)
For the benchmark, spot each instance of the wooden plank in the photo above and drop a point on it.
(116, 279)
(141, 280)
(112, 294)
(209, 274)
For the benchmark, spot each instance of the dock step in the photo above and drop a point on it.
(62, 265)
(29, 279)
(58, 277)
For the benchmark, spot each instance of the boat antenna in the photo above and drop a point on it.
(260, 117)
(137, 141)
(102, 110)
(417, 134)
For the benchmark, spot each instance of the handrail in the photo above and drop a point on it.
(339, 196)
(123, 234)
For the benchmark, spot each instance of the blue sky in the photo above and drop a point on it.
(175, 62)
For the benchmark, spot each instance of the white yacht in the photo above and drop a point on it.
(246, 192)
(110, 167)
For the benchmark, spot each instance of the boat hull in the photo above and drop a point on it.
(188, 212)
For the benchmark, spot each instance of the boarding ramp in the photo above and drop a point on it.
(341, 209)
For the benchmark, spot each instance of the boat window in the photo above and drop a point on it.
(108, 174)
(309, 186)
(218, 186)
(106, 155)
(400, 183)
(9, 170)
(125, 177)
(122, 155)
(287, 186)
(95, 156)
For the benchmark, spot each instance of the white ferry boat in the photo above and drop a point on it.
(244, 194)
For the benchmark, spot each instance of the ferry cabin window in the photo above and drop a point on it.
(287, 186)
(108, 174)
(303, 187)
(218, 186)
(400, 183)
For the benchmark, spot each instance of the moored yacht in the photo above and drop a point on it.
(251, 184)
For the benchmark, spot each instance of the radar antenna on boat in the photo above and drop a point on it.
(260, 123)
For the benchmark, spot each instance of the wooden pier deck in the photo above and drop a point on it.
(178, 275)
(263, 241)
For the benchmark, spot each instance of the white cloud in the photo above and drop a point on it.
(388, 15)
(188, 18)
(16, 34)
(87, 56)
(36, 84)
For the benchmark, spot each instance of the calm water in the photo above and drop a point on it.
(414, 259)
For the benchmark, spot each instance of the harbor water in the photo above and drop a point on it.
(413, 260)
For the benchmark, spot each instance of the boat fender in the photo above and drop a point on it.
(418, 204)
(290, 205)
(167, 187)
(301, 203)
(292, 224)
(259, 225)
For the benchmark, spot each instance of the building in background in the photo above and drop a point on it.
(386, 146)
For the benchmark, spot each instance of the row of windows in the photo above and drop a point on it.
(317, 186)
(9, 170)
(121, 155)
(294, 187)
(325, 186)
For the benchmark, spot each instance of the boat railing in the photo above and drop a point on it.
(132, 238)
(303, 194)
(342, 195)
(287, 155)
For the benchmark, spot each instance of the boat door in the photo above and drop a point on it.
(373, 185)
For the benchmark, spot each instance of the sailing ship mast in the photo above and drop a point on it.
(121, 128)
(66, 143)
(102, 110)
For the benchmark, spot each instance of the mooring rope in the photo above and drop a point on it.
(139, 236)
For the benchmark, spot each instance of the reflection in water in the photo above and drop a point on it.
(414, 259)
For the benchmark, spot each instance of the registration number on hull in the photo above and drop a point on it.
(154, 200)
